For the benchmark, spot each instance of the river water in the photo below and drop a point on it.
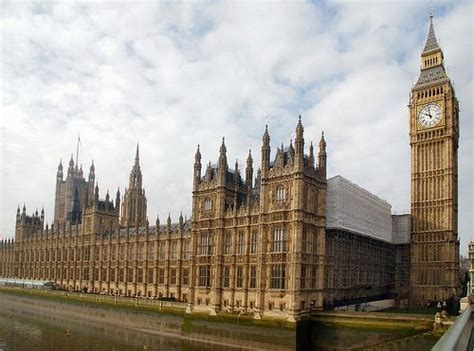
(24, 331)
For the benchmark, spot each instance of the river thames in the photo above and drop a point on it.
(24, 331)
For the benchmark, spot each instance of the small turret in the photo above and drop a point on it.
(42, 215)
(236, 172)
(181, 221)
(197, 166)
(107, 196)
(249, 170)
(70, 170)
(265, 150)
(157, 223)
(168, 222)
(59, 175)
(299, 140)
(96, 192)
(117, 199)
(223, 157)
(311, 156)
(18, 213)
(92, 173)
(322, 156)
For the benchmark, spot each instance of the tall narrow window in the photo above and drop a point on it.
(254, 242)
(313, 277)
(185, 276)
(239, 276)
(161, 276)
(280, 193)
(186, 250)
(226, 277)
(303, 277)
(253, 277)
(149, 278)
(173, 276)
(205, 276)
(207, 204)
(228, 243)
(303, 241)
(174, 250)
(205, 244)
(278, 276)
(241, 243)
(151, 251)
(279, 240)
(140, 275)
(162, 250)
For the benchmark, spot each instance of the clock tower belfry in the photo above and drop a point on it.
(434, 135)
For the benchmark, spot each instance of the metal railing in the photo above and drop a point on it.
(458, 336)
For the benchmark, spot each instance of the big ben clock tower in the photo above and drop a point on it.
(434, 134)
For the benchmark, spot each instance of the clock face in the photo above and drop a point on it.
(429, 116)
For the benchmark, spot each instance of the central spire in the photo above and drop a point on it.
(137, 155)
(431, 41)
(136, 174)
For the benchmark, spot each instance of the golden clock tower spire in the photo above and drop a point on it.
(434, 135)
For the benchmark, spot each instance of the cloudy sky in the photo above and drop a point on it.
(176, 75)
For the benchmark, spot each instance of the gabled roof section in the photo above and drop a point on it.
(431, 41)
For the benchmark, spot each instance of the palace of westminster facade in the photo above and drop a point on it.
(270, 243)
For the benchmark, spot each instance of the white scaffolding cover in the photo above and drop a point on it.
(353, 208)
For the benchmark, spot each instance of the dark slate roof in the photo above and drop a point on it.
(431, 42)
(432, 74)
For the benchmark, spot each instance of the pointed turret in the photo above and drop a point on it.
(265, 151)
(249, 170)
(96, 192)
(311, 155)
(18, 213)
(135, 180)
(322, 156)
(181, 220)
(117, 199)
(70, 170)
(299, 140)
(236, 172)
(168, 222)
(197, 167)
(157, 223)
(92, 173)
(223, 157)
(59, 175)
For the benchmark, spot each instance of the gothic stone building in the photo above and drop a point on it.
(281, 244)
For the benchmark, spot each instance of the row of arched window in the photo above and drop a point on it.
(429, 93)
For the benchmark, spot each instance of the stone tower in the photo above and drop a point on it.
(260, 245)
(434, 134)
(72, 193)
(134, 200)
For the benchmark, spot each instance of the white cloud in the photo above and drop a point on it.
(175, 75)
